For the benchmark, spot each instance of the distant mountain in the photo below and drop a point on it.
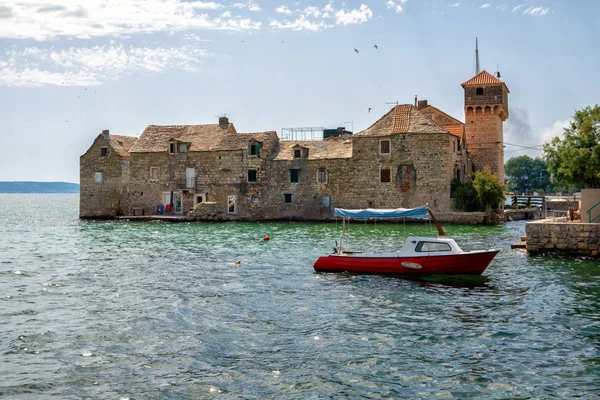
(39, 187)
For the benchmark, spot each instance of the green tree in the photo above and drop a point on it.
(527, 173)
(466, 197)
(489, 191)
(575, 159)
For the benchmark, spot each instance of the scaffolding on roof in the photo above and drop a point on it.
(312, 133)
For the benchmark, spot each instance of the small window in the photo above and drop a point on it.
(253, 149)
(154, 173)
(479, 91)
(430, 116)
(255, 200)
(326, 202)
(98, 177)
(251, 175)
(103, 151)
(385, 175)
(172, 148)
(294, 175)
(232, 204)
(183, 148)
(287, 198)
(384, 147)
(432, 246)
(297, 153)
(454, 146)
(322, 175)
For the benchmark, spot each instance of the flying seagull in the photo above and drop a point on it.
(356, 50)
(369, 109)
(375, 46)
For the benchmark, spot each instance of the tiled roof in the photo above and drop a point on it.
(156, 138)
(456, 130)
(404, 118)
(317, 150)
(484, 78)
(121, 144)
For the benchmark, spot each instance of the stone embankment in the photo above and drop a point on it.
(558, 235)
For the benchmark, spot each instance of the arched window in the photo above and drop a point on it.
(479, 91)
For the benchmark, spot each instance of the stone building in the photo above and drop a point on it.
(211, 172)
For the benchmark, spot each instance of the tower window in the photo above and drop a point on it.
(479, 91)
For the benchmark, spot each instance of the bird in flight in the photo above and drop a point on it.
(356, 50)
(369, 109)
(67, 121)
(242, 41)
(375, 46)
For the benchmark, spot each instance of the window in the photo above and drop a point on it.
(479, 91)
(432, 246)
(287, 198)
(172, 148)
(294, 175)
(322, 175)
(251, 175)
(103, 151)
(253, 149)
(430, 116)
(384, 147)
(297, 153)
(98, 177)
(154, 173)
(326, 202)
(454, 146)
(385, 175)
(232, 204)
(190, 177)
(255, 199)
(183, 148)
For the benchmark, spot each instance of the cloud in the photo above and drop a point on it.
(517, 8)
(486, 5)
(51, 19)
(455, 5)
(300, 24)
(518, 131)
(92, 66)
(250, 5)
(362, 15)
(315, 19)
(536, 11)
(283, 10)
(557, 129)
(396, 7)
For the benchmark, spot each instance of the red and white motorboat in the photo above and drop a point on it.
(418, 256)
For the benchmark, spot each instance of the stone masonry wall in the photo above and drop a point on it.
(421, 168)
(570, 238)
(102, 199)
(485, 138)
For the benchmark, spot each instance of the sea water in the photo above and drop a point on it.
(115, 310)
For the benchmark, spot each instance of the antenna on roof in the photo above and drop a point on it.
(497, 70)
(477, 56)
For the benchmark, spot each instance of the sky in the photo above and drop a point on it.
(69, 69)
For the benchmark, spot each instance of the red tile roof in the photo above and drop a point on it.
(403, 118)
(484, 78)
(456, 130)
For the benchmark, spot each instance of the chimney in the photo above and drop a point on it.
(415, 100)
(105, 134)
(422, 104)
(224, 123)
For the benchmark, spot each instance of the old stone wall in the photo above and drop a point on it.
(570, 238)
(485, 138)
(102, 199)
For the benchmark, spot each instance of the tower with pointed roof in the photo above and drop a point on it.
(486, 109)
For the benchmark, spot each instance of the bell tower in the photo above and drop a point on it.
(486, 109)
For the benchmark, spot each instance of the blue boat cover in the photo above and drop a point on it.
(419, 212)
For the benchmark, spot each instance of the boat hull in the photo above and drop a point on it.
(471, 263)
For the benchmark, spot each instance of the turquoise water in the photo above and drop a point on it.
(116, 310)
